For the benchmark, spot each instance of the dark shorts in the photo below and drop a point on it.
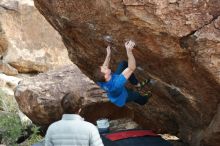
(136, 97)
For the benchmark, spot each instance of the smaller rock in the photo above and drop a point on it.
(8, 81)
(7, 69)
(24, 119)
(123, 124)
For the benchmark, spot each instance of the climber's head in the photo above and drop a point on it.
(102, 74)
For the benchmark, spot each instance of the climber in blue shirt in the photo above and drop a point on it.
(114, 83)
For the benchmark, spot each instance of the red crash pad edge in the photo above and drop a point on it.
(129, 134)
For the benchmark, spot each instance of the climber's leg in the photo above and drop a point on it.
(136, 97)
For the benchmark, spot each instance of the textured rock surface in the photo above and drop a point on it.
(27, 41)
(177, 44)
(3, 43)
(213, 129)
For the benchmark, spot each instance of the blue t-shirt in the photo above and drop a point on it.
(115, 89)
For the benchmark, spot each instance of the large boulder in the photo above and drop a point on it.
(177, 44)
(39, 97)
(27, 40)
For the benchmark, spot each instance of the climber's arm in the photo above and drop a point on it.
(131, 60)
(108, 57)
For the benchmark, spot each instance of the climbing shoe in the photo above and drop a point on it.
(148, 94)
(140, 85)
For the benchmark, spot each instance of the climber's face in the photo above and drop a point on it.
(106, 71)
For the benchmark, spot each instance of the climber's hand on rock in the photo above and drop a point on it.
(129, 45)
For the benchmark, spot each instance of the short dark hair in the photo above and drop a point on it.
(71, 103)
(98, 75)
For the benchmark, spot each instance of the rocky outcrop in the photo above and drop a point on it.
(177, 45)
(27, 41)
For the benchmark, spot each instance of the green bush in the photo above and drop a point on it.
(10, 125)
(1, 100)
(11, 129)
(35, 137)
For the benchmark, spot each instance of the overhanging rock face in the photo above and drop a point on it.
(177, 43)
